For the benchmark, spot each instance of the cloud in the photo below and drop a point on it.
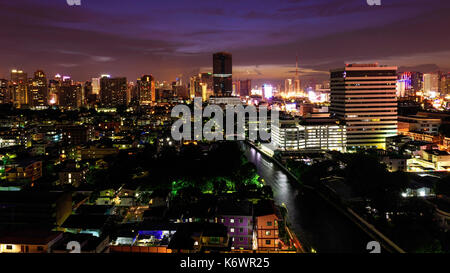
(102, 59)
(177, 37)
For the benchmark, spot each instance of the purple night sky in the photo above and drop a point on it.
(170, 38)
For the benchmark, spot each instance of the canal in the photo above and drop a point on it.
(316, 223)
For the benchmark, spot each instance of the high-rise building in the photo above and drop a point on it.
(430, 83)
(245, 88)
(96, 86)
(54, 86)
(313, 134)
(18, 76)
(236, 87)
(416, 82)
(442, 83)
(70, 94)
(364, 97)
(288, 86)
(113, 91)
(222, 73)
(146, 90)
(201, 85)
(447, 83)
(181, 91)
(206, 85)
(5, 96)
(19, 87)
(194, 87)
(88, 97)
(297, 85)
(38, 90)
(404, 84)
(266, 91)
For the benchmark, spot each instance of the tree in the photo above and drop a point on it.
(442, 187)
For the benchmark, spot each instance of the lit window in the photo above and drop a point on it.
(231, 229)
(231, 220)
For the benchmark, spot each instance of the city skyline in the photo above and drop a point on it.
(53, 36)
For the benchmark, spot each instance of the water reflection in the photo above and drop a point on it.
(315, 222)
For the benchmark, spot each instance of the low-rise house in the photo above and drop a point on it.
(267, 219)
(34, 241)
(72, 174)
(24, 170)
(200, 237)
(238, 218)
(395, 163)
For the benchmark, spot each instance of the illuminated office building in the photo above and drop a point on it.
(201, 85)
(430, 84)
(401, 88)
(364, 97)
(245, 88)
(194, 87)
(404, 84)
(416, 82)
(442, 83)
(38, 90)
(222, 74)
(19, 87)
(113, 91)
(447, 83)
(5, 96)
(266, 91)
(146, 90)
(297, 85)
(70, 94)
(96, 86)
(288, 86)
(309, 134)
(54, 86)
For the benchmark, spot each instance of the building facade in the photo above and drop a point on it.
(308, 135)
(146, 90)
(222, 74)
(364, 97)
(113, 91)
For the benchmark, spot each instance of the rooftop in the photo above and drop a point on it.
(30, 237)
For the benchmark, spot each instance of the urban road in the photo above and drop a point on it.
(318, 225)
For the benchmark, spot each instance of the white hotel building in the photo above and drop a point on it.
(310, 134)
(364, 97)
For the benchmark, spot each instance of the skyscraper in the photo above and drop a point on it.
(38, 89)
(146, 90)
(201, 85)
(430, 83)
(222, 74)
(113, 91)
(96, 86)
(70, 94)
(19, 87)
(54, 86)
(364, 97)
(245, 87)
(416, 82)
(4, 92)
(288, 86)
